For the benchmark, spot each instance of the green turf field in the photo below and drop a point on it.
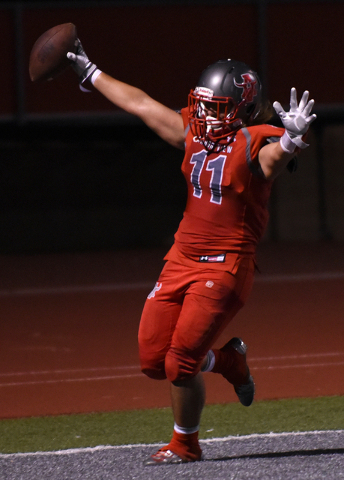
(151, 426)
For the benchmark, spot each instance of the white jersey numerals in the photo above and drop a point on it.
(216, 167)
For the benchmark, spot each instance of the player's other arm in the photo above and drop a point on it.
(167, 123)
(164, 121)
(273, 158)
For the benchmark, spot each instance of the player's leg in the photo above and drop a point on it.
(158, 321)
(230, 360)
(209, 306)
(188, 398)
(211, 301)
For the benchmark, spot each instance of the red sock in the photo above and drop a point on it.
(186, 446)
(232, 366)
(223, 361)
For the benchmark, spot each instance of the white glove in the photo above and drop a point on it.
(85, 69)
(296, 122)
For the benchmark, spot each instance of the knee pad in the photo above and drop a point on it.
(152, 360)
(155, 374)
(180, 367)
(153, 368)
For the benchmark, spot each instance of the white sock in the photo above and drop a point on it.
(186, 431)
(210, 362)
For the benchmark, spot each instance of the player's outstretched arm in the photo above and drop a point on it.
(167, 123)
(274, 157)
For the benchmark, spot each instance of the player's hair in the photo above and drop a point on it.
(266, 112)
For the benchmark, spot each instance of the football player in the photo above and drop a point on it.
(231, 158)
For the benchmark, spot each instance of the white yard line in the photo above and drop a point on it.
(50, 381)
(124, 368)
(69, 371)
(298, 365)
(69, 380)
(72, 451)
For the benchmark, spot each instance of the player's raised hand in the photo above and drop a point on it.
(296, 121)
(81, 63)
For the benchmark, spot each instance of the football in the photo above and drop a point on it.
(48, 54)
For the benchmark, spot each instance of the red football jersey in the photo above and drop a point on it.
(226, 212)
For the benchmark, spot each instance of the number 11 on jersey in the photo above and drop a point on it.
(214, 166)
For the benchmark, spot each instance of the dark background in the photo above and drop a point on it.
(78, 174)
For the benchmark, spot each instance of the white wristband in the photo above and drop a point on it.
(287, 144)
(95, 75)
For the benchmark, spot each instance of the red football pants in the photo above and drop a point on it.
(184, 315)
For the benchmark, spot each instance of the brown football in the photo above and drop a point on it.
(48, 54)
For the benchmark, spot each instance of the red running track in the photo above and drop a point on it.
(69, 330)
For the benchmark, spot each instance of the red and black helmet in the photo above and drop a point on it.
(227, 96)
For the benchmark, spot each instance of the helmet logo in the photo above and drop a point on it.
(204, 92)
(249, 87)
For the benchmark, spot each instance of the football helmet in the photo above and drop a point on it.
(227, 96)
